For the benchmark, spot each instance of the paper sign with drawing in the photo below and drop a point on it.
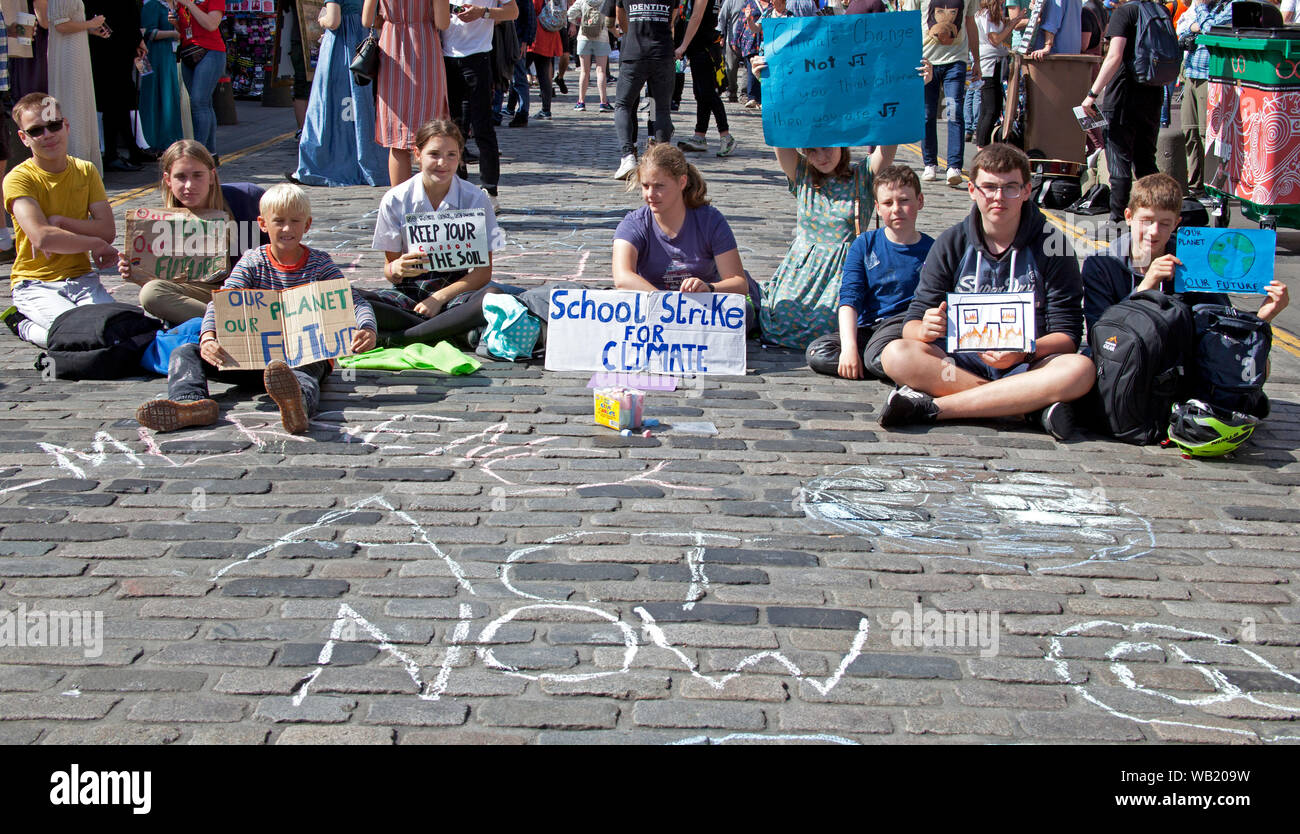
(1224, 260)
(453, 240)
(305, 324)
(177, 245)
(991, 321)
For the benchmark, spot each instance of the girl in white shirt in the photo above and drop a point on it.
(424, 306)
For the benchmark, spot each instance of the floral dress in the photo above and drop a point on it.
(803, 297)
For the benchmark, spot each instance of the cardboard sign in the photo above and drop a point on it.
(302, 325)
(842, 80)
(18, 13)
(453, 240)
(1224, 260)
(311, 32)
(979, 321)
(176, 244)
(647, 332)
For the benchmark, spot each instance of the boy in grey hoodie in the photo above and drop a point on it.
(1003, 246)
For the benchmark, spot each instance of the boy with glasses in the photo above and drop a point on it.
(1003, 246)
(61, 213)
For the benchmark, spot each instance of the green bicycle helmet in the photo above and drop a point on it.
(1206, 431)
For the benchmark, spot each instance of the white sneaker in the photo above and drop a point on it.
(625, 167)
(954, 176)
(929, 174)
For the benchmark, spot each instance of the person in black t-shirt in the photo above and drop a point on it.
(700, 45)
(1131, 107)
(646, 57)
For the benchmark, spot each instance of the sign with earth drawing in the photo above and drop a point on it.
(1224, 260)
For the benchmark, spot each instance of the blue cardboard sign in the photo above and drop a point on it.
(840, 81)
(1224, 260)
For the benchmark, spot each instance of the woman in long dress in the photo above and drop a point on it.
(160, 95)
(69, 62)
(338, 138)
(412, 85)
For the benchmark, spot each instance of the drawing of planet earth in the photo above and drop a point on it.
(1232, 255)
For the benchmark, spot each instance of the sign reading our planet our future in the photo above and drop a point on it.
(842, 81)
(305, 324)
(1224, 260)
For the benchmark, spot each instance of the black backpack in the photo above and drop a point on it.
(1157, 57)
(98, 341)
(1139, 346)
(1231, 358)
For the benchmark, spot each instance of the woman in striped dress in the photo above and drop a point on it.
(412, 87)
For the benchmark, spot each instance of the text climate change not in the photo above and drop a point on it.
(842, 81)
(654, 332)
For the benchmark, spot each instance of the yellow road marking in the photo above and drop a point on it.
(1288, 341)
(146, 189)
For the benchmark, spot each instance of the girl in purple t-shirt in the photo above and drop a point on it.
(677, 241)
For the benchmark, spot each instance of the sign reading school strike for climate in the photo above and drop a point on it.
(843, 80)
(453, 240)
(176, 244)
(305, 324)
(652, 332)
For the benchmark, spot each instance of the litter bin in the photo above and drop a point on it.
(1253, 106)
(1053, 86)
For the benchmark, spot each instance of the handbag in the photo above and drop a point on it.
(191, 53)
(365, 63)
(553, 16)
(511, 331)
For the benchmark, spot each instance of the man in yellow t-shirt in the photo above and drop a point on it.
(61, 213)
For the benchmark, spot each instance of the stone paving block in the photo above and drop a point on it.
(28, 678)
(111, 734)
(665, 612)
(300, 734)
(213, 654)
(208, 609)
(138, 680)
(472, 737)
(163, 587)
(740, 688)
(15, 733)
(259, 681)
(1072, 726)
(41, 567)
(415, 712)
(904, 666)
(630, 686)
(957, 723)
(168, 709)
(813, 617)
(313, 709)
(531, 658)
(701, 715)
(343, 654)
(1184, 734)
(114, 654)
(836, 719)
(984, 694)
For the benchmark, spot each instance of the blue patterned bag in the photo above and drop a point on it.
(512, 331)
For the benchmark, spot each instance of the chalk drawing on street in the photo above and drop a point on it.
(1200, 652)
(491, 450)
(331, 517)
(351, 626)
(1017, 518)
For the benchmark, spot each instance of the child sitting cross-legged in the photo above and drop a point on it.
(283, 264)
(880, 276)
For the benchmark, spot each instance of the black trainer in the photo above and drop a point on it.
(1058, 420)
(907, 406)
(12, 318)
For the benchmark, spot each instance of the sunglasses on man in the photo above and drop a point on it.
(37, 131)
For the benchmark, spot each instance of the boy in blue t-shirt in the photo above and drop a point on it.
(880, 276)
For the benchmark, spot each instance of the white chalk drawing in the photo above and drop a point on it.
(823, 738)
(1187, 649)
(349, 625)
(1021, 516)
(331, 517)
(408, 434)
